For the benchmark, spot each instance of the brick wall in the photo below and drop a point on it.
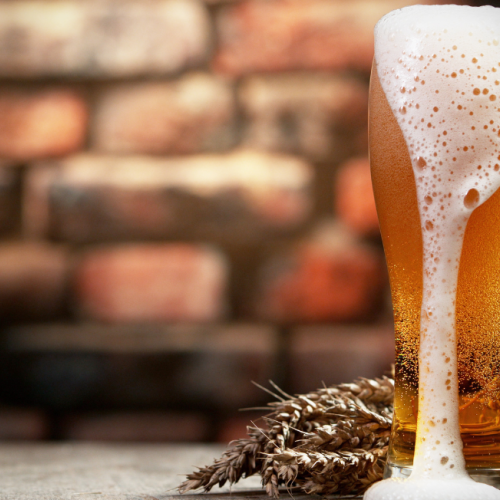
(186, 207)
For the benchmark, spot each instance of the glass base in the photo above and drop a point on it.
(481, 475)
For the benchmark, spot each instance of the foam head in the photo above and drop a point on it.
(440, 69)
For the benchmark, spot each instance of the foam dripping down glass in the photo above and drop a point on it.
(435, 159)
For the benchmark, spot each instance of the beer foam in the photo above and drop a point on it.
(439, 67)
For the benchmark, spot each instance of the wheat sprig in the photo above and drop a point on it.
(333, 440)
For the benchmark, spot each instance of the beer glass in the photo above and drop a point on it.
(477, 301)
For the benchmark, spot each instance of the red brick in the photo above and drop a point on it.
(138, 426)
(335, 354)
(101, 39)
(194, 114)
(33, 280)
(23, 424)
(277, 35)
(238, 196)
(41, 123)
(318, 115)
(168, 282)
(328, 278)
(354, 200)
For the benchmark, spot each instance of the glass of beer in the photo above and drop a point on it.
(434, 114)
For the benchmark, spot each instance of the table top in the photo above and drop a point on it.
(89, 471)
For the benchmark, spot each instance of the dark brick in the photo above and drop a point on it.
(157, 426)
(101, 367)
(239, 196)
(235, 427)
(23, 424)
(336, 354)
(9, 198)
(33, 281)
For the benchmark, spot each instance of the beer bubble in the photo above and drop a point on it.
(476, 91)
(471, 198)
(429, 225)
(402, 110)
(444, 460)
(428, 200)
(421, 163)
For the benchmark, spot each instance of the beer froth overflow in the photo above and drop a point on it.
(439, 68)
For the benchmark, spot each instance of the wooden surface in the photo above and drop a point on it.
(109, 472)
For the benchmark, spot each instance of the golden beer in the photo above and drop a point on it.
(477, 302)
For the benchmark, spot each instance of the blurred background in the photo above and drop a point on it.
(185, 208)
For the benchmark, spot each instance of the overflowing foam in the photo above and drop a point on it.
(439, 67)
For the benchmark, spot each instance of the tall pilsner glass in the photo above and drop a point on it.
(477, 311)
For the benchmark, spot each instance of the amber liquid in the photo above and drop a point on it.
(477, 305)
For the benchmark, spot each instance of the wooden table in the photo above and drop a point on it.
(69, 471)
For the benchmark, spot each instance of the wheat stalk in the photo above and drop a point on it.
(333, 440)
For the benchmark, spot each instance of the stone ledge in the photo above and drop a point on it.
(113, 472)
